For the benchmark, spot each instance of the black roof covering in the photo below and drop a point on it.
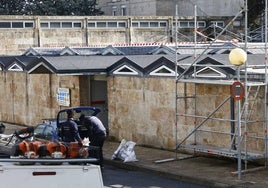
(106, 60)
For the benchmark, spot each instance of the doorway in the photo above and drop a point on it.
(93, 92)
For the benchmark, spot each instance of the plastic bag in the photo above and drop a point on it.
(125, 151)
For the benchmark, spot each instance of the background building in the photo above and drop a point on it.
(167, 7)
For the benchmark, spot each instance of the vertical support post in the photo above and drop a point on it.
(246, 84)
(265, 92)
(195, 45)
(232, 111)
(239, 163)
(176, 82)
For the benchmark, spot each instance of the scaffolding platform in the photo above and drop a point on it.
(230, 153)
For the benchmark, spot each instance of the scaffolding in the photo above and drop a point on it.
(242, 123)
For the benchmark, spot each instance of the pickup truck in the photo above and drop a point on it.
(31, 140)
(53, 171)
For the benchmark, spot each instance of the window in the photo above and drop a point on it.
(55, 25)
(29, 24)
(114, 11)
(162, 71)
(77, 25)
(135, 24)
(15, 67)
(44, 24)
(209, 72)
(16, 24)
(5, 25)
(123, 10)
(144, 24)
(121, 24)
(201, 24)
(91, 24)
(218, 23)
(102, 24)
(112, 24)
(190, 24)
(184, 24)
(162, 24)
(153, 24)
(125, 70)
(67, 24)
(63, 24)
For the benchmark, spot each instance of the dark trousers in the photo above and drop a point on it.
(98, 141)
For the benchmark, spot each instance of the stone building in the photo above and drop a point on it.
(131, 77)
(135, 87)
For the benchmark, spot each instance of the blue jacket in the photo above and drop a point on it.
(70, 132)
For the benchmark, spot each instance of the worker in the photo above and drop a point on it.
(97, 133)
(70, 129)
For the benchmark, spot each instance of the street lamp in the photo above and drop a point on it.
(238, 57)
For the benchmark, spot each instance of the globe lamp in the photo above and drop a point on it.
(237, 57)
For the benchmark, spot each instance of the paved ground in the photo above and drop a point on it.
(209, 171)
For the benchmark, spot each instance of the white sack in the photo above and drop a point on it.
(125, 151)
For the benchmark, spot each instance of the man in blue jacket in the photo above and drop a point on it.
(70, 129)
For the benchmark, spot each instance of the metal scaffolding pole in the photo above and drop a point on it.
(176, 73)
(265, 96)
(246, 97)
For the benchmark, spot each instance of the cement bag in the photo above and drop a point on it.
(125, 151)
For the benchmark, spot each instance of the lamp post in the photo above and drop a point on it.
(238, 57)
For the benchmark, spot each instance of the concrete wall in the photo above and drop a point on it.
(16, 40)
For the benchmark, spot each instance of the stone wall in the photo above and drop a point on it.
(140, 109)
(143, 110)
(26, 99)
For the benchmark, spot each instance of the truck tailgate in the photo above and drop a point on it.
(43, 176)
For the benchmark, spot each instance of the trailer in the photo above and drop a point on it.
(32, 173)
